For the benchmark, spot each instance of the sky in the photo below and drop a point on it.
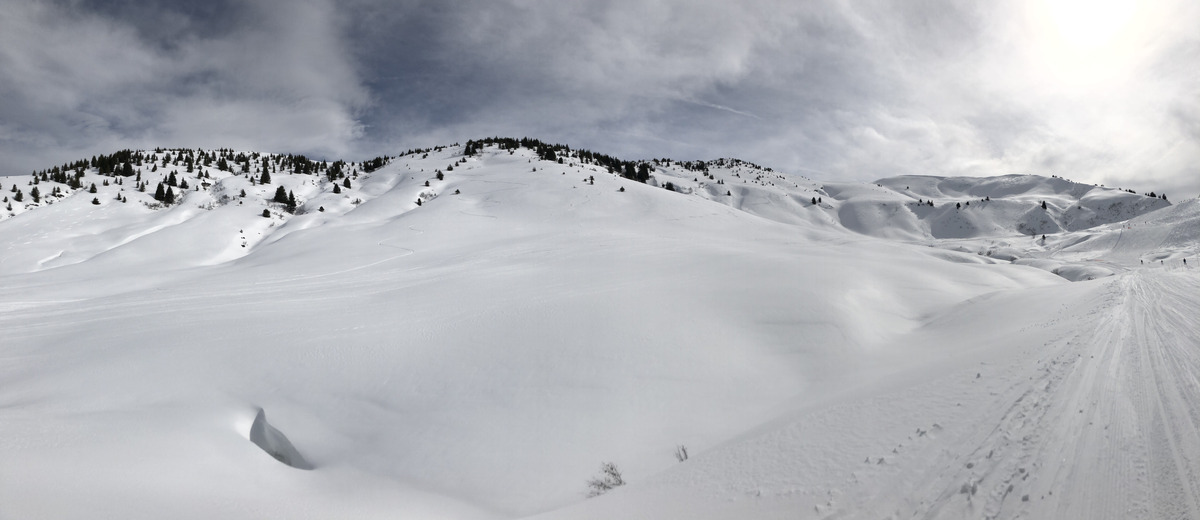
(1097, 91)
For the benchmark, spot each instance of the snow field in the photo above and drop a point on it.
(479, 355)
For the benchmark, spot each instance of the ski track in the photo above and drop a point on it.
(1106, 425)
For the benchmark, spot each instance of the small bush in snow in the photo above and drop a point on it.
(681, 453)
(609, 478)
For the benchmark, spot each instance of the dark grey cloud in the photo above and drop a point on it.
(81, 78)
(848, 90)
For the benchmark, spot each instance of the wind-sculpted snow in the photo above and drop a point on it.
(275, 443)
(476, 344)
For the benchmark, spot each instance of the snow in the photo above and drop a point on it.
(481, 354)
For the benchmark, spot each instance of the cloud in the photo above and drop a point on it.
(855, 90)
(78, 81)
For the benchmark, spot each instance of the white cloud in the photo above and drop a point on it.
(82, 83)
(857, 90)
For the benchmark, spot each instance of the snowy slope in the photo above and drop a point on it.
(480, 353)
(1076, 403)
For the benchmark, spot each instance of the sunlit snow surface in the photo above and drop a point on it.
(479, 355)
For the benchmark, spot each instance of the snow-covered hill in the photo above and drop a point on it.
(469, 331)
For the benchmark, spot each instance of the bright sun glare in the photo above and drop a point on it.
(1084, 43)
(1089, 24)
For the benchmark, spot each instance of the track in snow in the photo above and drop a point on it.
(1107, 427)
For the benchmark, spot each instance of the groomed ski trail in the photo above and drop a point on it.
(1108, 427)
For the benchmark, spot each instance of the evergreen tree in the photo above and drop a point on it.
(92, 189)
(265, 178)
(96, 201)
(291, 202)
(281, 195)
(35, 194)
(337, 189)
(346, 183)
(160, 193)
(172, 180)
(266, 213)
(169, 198)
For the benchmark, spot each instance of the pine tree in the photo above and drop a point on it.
(265, 178)
(643, 172)
(291, 202)
(96, 201)
(35, 194)
(346, 183)
(337, 189)
(169, 198)
(92, 189)
(160, 193)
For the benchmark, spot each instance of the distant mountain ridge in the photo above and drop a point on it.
(178, 188)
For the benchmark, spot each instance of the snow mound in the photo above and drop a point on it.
(275, 443)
